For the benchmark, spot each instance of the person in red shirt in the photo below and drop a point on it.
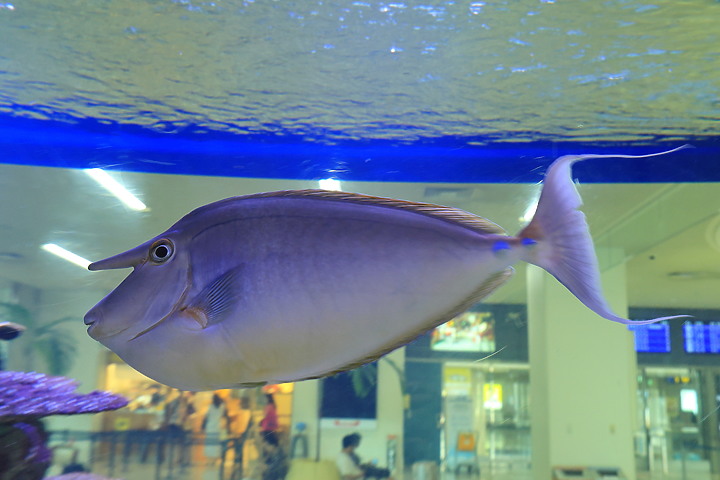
(269, 423)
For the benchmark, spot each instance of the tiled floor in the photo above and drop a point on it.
(501, 471)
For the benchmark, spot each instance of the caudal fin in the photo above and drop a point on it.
(564, 247)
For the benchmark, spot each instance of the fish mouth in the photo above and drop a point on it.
(90, 331)
(91, 322)
(96, 333)
(95, 328)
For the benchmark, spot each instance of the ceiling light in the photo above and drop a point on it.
(112, 186)
(330, 184)
(66, 255)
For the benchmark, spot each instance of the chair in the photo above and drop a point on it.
(305, 469)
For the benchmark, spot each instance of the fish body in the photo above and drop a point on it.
(10, 330)
(291, 285)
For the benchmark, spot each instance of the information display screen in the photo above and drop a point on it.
(651, 338)
(701, 337)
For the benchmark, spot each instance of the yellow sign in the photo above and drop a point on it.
(122, 423)
(492, 396)
(458, 381)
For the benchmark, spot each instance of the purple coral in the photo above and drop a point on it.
(38, 395)
(24, 398)
(79, 476)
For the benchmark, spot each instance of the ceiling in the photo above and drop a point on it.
(668, 233)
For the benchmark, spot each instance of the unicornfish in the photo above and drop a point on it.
(291, 285)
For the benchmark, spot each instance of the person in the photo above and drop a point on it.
(269, 423)
(350, 466)
(147, 402)
(276, 464)
(215, 427)
(156, 414)
(177, 414)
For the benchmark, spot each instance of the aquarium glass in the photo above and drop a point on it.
(463, 104)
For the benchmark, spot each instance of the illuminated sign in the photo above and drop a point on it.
(469, 332)
(652, 338)
(700, 337)
(492, 396)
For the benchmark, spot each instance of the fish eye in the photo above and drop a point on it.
(161, 251)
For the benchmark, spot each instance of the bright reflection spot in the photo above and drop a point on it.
(114, 187)
(476, 7)
(529, 213)
(330, 184)
(66, 255)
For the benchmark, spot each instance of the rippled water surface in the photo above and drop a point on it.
(615, 70)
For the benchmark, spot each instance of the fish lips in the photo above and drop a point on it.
(96, 328)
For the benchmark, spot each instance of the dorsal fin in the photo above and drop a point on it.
(448, 214)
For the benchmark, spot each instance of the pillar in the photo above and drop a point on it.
(583, 378)
(708, 422)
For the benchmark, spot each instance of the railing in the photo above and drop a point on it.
(692, 446)
(172, 450)
(680, 454)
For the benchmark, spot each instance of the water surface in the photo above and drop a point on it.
(329, 71)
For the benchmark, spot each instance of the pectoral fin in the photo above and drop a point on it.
(216, 300)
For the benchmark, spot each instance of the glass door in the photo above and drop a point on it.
(486, 414)
(670, 414)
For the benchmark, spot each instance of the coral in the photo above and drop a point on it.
(25, 397)
(38, 395)
(79, 476)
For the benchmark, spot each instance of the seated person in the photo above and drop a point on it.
(349, 463)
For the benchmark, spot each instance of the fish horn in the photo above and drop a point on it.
(131, 258)
(558, 238)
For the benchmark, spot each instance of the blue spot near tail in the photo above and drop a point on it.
(528, 242)
(500, 246)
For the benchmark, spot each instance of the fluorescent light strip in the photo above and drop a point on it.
(112, 186)
(66, 255)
